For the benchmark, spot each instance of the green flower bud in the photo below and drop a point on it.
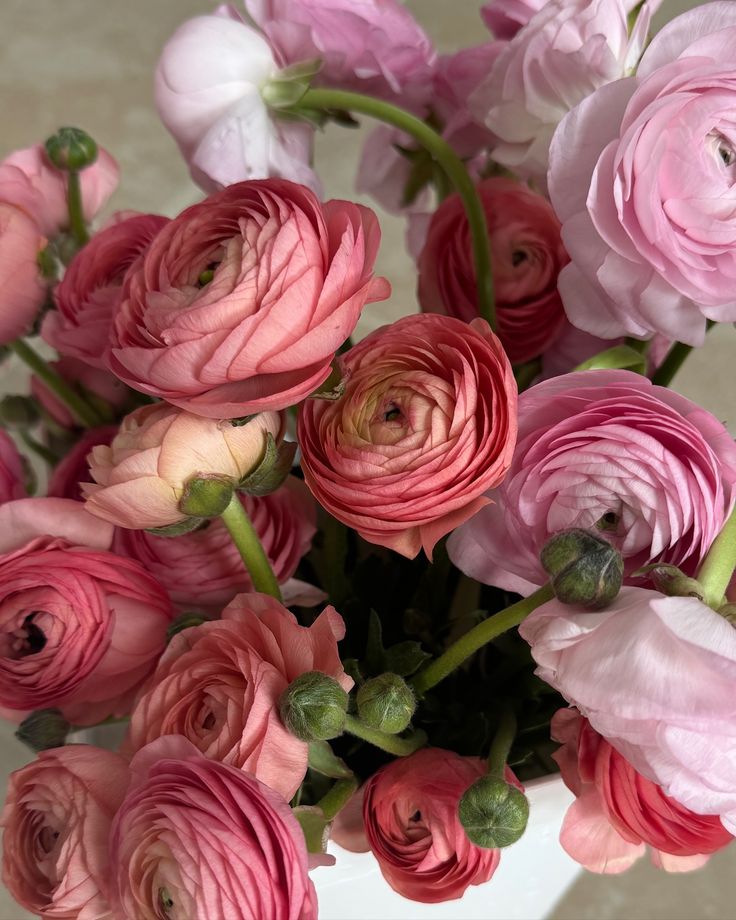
(387, 703)
(71, 149)
(206, 497)
(17, 413)
(585, 569)
(43, 729)
(493, 813)
(314, 707)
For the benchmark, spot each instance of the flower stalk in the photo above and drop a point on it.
(717, 568)
(392, 744)
(245, 538)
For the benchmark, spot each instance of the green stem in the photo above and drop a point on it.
(85, 414)
(245, 538)
(717, 568)
(335, 556)
(326, 99)
(393, 744)
(639, 345)
(676, 357)
(77, 224)
(39, 449)
(337, 798)
(477, 637)
(525, 373)
(502, 741)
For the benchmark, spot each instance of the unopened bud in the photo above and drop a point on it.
(669, 580)
(493, 812)
(43, 729)
(584, 569)
(314, 707)
(387, 703)
(206, 497)
(17, 413)
(71, 149)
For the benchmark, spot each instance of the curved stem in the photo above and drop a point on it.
(77, 223)
(443, 153)
(85, 414)
(717, 568)
(478, 636)
(245, 538)
(401, 747)
(502, 741)
(676, 357)
(337, 797)
(47, 455)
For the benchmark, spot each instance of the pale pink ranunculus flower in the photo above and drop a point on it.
(140, 478)
(95, 383)
(505, 17)
(86, 297)
(603, 449)
(562, 55)
(12, 470)
(204, 569)
(22, 285)
(618, 813)
(374, 47)
(654, 676)
(56, 824)
(219, 684)
(30, 182)
(642, 177)
(208, 87)
(427, 423)
(241, 302)
(196, 838)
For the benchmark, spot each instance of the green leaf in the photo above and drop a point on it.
(375, 656)
(314, 826)
(622, 357)
(324, 760)
(405, 658)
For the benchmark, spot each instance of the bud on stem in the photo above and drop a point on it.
(386, 703)
(43, 729)
(493, 812)
(314, 707)
(585, 570)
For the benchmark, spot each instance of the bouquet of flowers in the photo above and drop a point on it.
(363, 591)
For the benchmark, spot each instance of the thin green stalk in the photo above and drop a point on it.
(337, 797)
(77, 224)
(502, 741)
(717, 568)
(477, 637)
(85, 414)
(48, 456)
(328, 99)
(245, 538)
(393, 744)
(676, 357)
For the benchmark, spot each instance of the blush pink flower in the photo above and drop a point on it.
(198, 838)
(87, 295)
(72, 470)
(12, 470)
(427, 422)
(642, 177)
(219, 685)
(618, 813)
(505, 17)
(241, 302)
(95, 383)
(651, 470)
(527, 255)
(203, 569)
(140, 478)
(23, 287)
(56, 823)
(654, 676)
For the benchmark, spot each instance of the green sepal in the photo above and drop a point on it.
(323, 760)
(273, 469)
(621, 357)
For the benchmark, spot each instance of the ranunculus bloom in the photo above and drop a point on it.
(30, 182)
(505, 17)
(219, 685)
(652, 470)
(141, 476)
(80, 628)
(412, 826)
(617, 812)
(23, 288)
(374, 46)
(563, 54)
(91, 287)
(654, 675)
(205, 569)
(208, 93)
(94, 382)
(526, 253)
(642, 176)
(426, 424)
(12, 472)
(72, 470)
(242, 301)
(198, 838)
(56, 822)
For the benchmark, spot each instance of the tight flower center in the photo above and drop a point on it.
(27, 640)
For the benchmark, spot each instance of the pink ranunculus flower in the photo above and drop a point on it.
(23, 288)
(412, 826)
(80, 628)
(87, 295)
(427, 422)
(12, 470)
(654, 676)
(208, 93)
(604, 449)
(31, 183)
(562, 55)
(642, 178)
(505, 17)
(241, 302)
(72, 470)
(204, 569)
(527, 255)
(373, 46)
(219, 685)
(199, 838)
(140, 478)
(56, 824)
(94, 382)
(618, 813)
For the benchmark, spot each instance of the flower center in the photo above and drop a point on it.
(28, 640)
(47, 838)
(518, 256)
(165, 902)
(609, 521)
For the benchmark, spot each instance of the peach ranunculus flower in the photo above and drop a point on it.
(21, 282)
(141, 477)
